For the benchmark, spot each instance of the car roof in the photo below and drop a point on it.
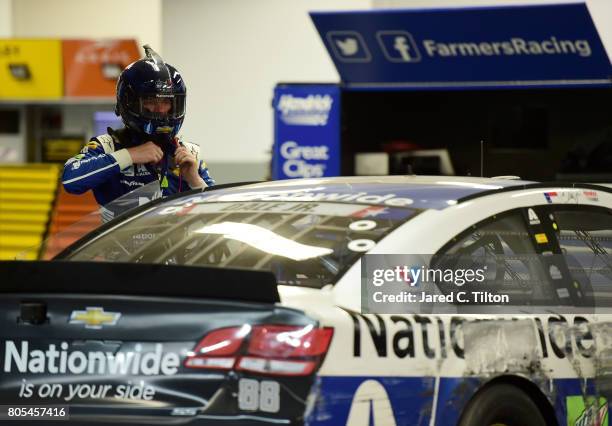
(425, 192)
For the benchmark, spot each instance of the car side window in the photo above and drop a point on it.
(585, 238)
(501, 245)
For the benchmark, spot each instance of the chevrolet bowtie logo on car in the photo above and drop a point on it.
(94, 317)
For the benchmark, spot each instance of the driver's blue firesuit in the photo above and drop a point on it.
(105, 166)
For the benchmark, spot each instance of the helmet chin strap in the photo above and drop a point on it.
(164, 142)
(169, 147)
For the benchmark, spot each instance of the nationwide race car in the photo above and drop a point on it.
(243, 305)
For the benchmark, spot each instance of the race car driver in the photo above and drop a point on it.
(151, 102)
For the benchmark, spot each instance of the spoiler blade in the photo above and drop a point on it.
(137, 279)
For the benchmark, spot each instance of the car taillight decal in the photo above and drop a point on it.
(267, 349)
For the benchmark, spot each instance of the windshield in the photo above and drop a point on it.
(62, 236)
(304, 243)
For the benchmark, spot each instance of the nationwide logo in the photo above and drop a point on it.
(371, 401)
(59, 359)
(312, 110)
(94, 317)
(315, 194)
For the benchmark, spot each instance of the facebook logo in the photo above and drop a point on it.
(348, 46)
(398, 46)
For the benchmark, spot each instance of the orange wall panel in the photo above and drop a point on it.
(91, 67)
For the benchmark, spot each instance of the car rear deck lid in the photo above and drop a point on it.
(44, 277)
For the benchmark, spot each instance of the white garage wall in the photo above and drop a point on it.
(458, 3)
(6, 14)
(232, 53)
(139, 19)
(601, 10)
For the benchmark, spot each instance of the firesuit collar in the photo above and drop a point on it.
(129, 138)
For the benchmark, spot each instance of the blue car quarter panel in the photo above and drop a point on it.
(383, 400)
(403, 401)
(399, 401)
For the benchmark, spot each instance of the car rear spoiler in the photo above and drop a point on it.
(137, 279)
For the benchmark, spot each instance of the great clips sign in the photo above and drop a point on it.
(306, 131)
(466, 47)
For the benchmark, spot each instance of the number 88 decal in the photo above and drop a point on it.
(254, 395)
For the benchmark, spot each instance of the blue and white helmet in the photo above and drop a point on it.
(151, 81)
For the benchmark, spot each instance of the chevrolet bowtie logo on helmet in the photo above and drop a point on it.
(94, 317)
(163, 129)
(163, 84)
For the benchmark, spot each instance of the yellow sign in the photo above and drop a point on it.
(60, 149)
(94, 317)
(31, 69)
(541, 238)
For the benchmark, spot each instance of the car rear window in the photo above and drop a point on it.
(303, 243)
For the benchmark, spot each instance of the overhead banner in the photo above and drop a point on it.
(306, 131)
(541, 45)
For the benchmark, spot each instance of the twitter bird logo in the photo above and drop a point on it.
(348, 46)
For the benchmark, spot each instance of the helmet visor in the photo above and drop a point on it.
(162, 107)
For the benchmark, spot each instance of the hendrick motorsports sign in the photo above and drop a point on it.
(480, 46)
(306, 131)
